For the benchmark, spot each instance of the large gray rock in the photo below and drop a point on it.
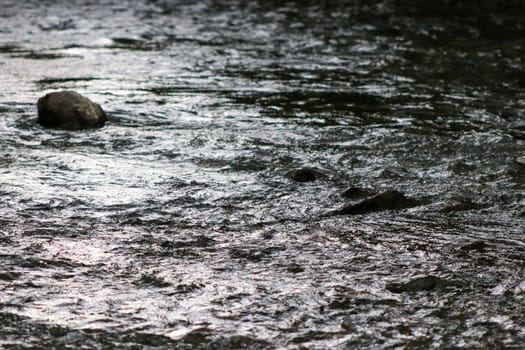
(69, 110)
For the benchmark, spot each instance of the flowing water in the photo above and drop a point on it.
(183, 223)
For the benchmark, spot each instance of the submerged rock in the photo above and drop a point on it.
(295, 268)
(304, 174)
(356, 193)
(9, 276)
(480, 246)
(418, 284)
(153, 281)
(389, 200)
(69, 110)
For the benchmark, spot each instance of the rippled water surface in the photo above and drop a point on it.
(203, 214)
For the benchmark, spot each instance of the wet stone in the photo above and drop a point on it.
(344, 303)
(517, 171)
(152, 281)
(295, 268)
(389, 200)
(198, 337)
(479, 246)
(199, 241)
(9, 276)
(304, 175)
(357, 193)
(254, 255)
(418, 284)
(70, 111)
(188, 288)
(250, 255)
(463, 205)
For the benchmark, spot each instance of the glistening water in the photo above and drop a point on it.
(201, 215)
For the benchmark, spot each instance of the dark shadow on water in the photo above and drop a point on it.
(10, 48)
(19, 332)
(289, 104)
(32, 55)
(60, 82)
(143, 44)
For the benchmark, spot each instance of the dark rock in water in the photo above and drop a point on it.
(357, 193)
(239, 342)
(69, 110)
(295, 268)
(199, 241)
(9, 276)
(153, 281)
(304, 175)
(480, 246)
(418, 284)
(188, 288)
(517, 171)
(389, 200)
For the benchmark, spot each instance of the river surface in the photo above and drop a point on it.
(183, 222)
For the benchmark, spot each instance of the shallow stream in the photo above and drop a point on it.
(184, 222)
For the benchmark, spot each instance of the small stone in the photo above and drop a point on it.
(463, 205)
(9, 276)
(480, 246)
(389, 200)
(70, 111)
(304, 175)
(295, 268)
(153, 281)
(356, 193)
(418, 284)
